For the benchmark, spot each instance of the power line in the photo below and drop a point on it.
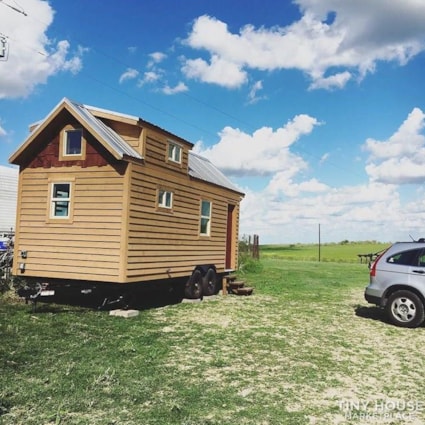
(21, 10)
(149, 105)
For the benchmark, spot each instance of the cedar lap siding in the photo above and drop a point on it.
(109, 225)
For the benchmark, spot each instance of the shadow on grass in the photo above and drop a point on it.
(370, 312)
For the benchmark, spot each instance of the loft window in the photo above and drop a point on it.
(174, 152)
(73, 143)
(205, 225)
(60, 200)
(165, 199)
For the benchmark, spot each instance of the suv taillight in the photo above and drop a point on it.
(375, 263)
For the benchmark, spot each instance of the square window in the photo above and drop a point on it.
(174, 152)
(60, 200)
(73, 142)
(165, 199)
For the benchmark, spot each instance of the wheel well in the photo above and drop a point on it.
(395, 288)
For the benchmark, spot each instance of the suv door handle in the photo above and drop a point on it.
(419, 271)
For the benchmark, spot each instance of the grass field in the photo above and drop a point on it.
(304, 349)
(334, 252)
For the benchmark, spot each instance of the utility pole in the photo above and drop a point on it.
(4, 45)
(319, 243)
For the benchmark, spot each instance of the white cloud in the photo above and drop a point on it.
(33, 58)
(129, 74)
(156, 58)
(264, 152)
(401, 158)
(219, 71)
(353, 213)
(330, 52)
(179, 88)
(253, 93)
(3, 132)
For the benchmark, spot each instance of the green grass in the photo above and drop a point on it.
(296, 352)
(331, 252)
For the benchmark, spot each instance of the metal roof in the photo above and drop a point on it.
(199, 167)
(202, 169)
(109, 136)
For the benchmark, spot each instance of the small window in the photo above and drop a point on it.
(205, 218)
(174, 152)
(73, 142)
(60, 200)
(165, 199)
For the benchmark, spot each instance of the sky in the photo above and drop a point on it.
(315, 109)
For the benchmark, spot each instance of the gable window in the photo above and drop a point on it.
(73, 143)
(174, 152)
(60, 203)
(165, 199)
(205, 225)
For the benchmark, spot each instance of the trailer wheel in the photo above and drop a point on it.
(209, 283)
(193, 288)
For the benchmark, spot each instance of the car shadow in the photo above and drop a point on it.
(370, 312)
(374, 313)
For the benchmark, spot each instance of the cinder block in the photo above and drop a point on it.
(189, 300)
(124, 313)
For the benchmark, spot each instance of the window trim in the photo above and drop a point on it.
(203, 217)
(160, 203)
(171, 155)
(63, 156)
(51, 217)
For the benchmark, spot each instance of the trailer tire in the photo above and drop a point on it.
(193, 288)
(209, 283)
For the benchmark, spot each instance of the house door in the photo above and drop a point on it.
(230, 243)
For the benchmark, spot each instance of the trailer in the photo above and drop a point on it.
(111, 204)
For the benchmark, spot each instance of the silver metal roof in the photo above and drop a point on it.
(202, 169)
(117, 143)
(199, 167)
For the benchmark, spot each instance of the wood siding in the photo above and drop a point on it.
(163, 244)
(89, 247)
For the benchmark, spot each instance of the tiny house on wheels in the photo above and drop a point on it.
(109, 203)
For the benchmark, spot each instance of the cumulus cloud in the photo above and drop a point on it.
(364, 210)
(400, 159)
(263, 152)
(33, 57)
(219, 71)
(330, 52)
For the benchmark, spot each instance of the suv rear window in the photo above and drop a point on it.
(413, 257)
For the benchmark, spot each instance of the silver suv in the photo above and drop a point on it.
(397, 283)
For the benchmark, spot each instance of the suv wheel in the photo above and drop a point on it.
(405, 309)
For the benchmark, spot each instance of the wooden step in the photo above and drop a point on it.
(236, 284)
(244, 291)
(230, 277)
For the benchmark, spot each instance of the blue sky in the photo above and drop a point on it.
(314, 108)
